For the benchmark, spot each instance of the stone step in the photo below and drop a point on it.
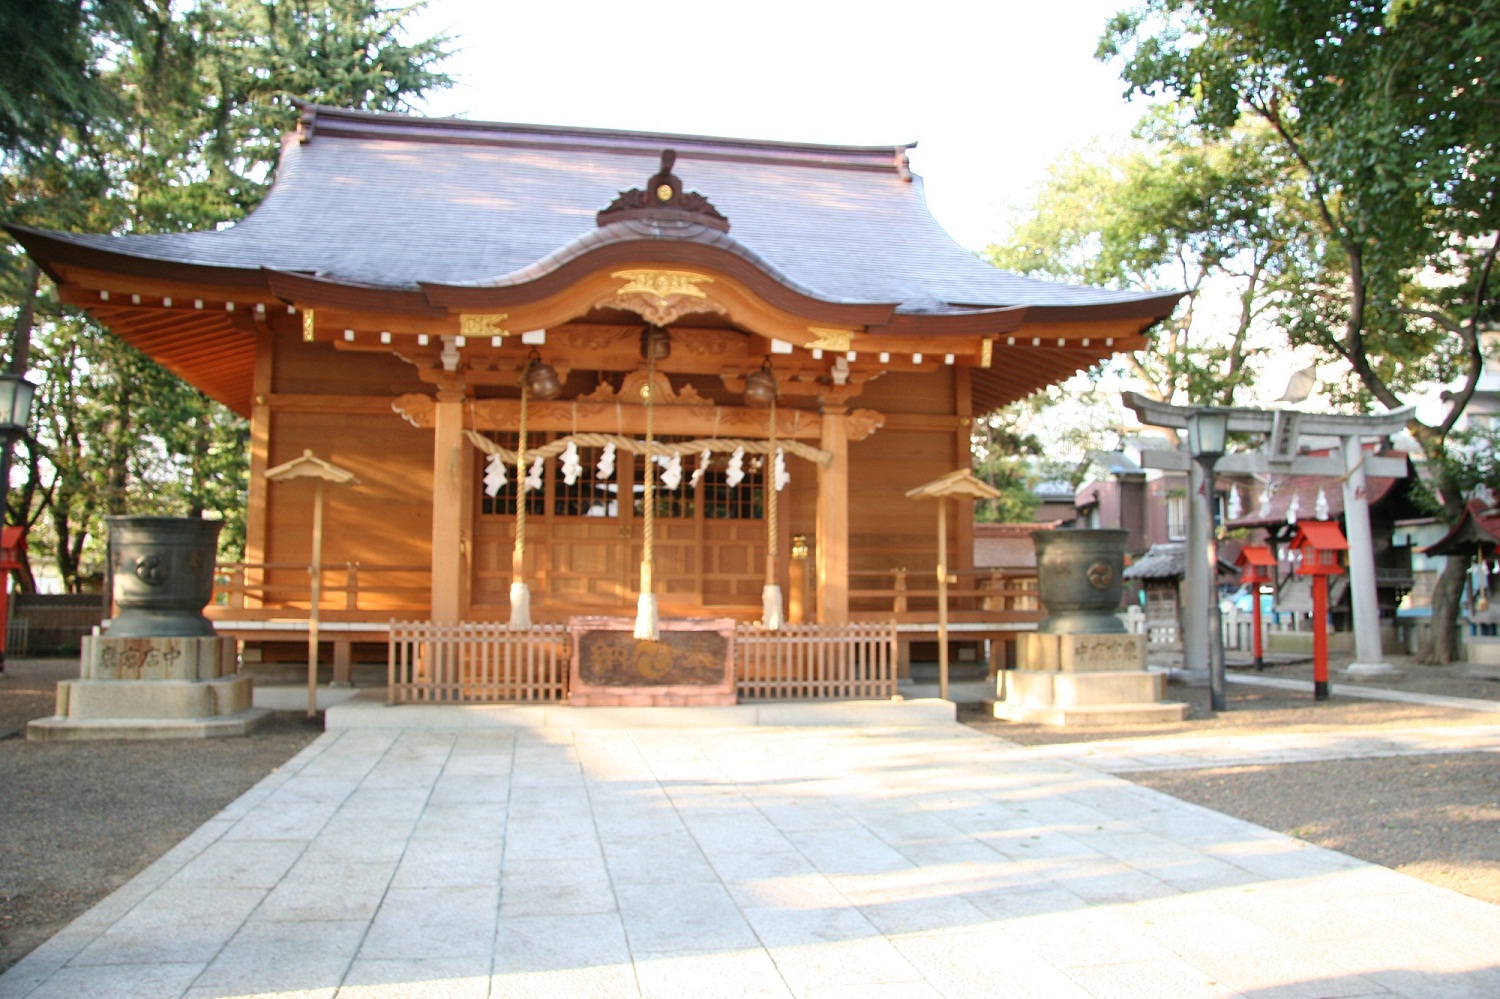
(1161, 712)
(1060, 689)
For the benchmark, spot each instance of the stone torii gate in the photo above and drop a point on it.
(1282, 429)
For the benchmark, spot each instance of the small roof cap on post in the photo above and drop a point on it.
(961, 483)
(310, 466)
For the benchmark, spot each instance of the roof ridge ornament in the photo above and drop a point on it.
(663, 199)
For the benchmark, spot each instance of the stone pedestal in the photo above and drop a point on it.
(1084, 680)
(152, 688)
(1483, 653)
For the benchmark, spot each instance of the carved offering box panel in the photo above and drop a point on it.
(693, 663)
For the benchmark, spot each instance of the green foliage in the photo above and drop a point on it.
(1002, 452)
(50, 86)
(152, 116)
(1049, 436)
(1468, 467)
(1387, 110)
(1179, 209)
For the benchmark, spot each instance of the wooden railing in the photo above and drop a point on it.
(488, 662)
(476, 662)
(350, 587)
(816, 662)
(973, 594)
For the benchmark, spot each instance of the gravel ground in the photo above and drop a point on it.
(80, 819)
(1433, 817)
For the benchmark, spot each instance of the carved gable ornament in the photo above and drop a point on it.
(663, 200)
(661, 297)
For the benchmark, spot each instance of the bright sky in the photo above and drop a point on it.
(993, 90)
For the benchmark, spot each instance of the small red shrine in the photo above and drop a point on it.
(1323, 548)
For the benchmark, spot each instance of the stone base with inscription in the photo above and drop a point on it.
(152, 688)
(691, 664)
(1084, 680)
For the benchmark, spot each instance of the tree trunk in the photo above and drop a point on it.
(201, 443)
(1441, 646)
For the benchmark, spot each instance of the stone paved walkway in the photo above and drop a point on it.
(1188, 753)
(813, 862)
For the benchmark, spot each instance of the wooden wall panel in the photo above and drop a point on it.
(323, 368)
(887, 529)
(384, 520)
(918, 392)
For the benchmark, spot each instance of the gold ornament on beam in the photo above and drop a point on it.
(837, 341)
(481, 324)
(662, 284)
(986, 353)
(661, 297)
(308, 331)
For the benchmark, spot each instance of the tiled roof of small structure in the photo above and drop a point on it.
(1305, 489)
(1478, 528)
(1166, 560)
(1161, 561)
(390, 201)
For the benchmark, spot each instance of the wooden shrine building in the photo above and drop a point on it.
(385, 302)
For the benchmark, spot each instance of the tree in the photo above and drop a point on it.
(1178, 209)
(50, 81)
(174, 124)
(1004, 457)
(1385, 113)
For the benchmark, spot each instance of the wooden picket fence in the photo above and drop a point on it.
(816, 662)
(486, 662)
(476, 662)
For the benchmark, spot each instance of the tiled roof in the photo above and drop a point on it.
(1305, 490)
(390, 201)
(1163, 561)
(1477, 530)
(1167, 561)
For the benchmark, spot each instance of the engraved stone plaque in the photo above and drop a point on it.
(691, 664)
(618, 659)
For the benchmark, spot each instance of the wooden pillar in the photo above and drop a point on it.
(833, 520)
(260, 460)
(448, 505)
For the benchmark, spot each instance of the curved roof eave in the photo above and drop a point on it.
(49, 248)
(633, 241)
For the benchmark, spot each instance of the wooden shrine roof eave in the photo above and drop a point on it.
(597, 250)
(53, 252)
(1153, 308)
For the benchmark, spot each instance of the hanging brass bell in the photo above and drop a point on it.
(760, 388)
(542, 380)
(656, 343)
